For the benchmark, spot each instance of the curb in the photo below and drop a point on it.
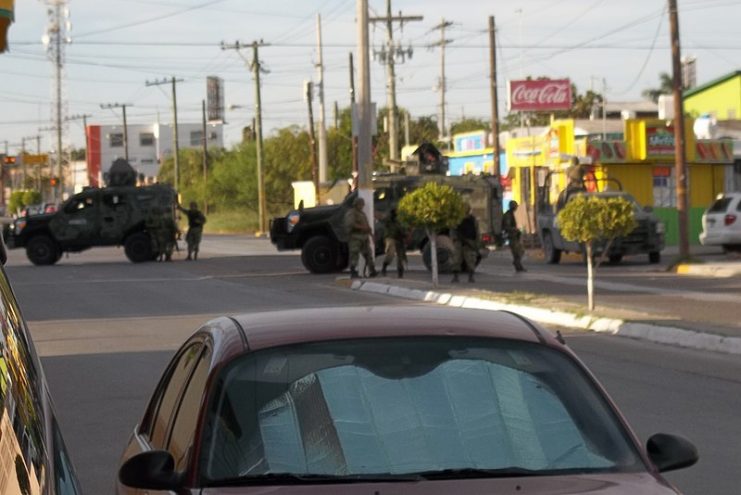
(638, 330)
(714, 270)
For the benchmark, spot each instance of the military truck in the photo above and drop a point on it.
(319, 232)
(109, 216)
(647, 238)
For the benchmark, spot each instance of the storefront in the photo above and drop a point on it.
(642, 164)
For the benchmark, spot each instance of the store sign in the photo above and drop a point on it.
(606, 151)
(215, 99)
(659, 141)
(539, 96)
(713, 151)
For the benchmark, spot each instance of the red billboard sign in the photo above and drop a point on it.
(544, 95)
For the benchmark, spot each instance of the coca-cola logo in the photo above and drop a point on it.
(542, 95)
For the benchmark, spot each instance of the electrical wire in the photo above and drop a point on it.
(648, 57)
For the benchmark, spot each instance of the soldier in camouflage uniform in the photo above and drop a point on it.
(358, 229)
(153, 224)
(394, 237)
(196, 219)
(466, 239)
(169, 234)
(509, 227)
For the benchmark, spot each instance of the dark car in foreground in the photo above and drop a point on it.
(413, 400)
(33, 457)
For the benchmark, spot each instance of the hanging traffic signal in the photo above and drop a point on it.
(53, 182)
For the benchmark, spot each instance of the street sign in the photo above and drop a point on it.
(42, 159)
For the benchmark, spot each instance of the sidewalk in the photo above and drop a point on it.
(659, 327)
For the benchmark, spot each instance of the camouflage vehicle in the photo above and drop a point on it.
(110, 216)
(319, 232)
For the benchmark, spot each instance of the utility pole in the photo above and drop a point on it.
(406, 128)
(442, 43)
(322, 123)
(494, 97)
(175, 135)
(23, 161)
(256, 67)
(389, 56)
(336, 115)
(352, 110)
(55, 39)
(125, 125)
(308, 93)
(365, 163)
(680, 156)
(204, 141)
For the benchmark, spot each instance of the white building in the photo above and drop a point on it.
(148, 145)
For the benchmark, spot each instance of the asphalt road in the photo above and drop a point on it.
(106, 329)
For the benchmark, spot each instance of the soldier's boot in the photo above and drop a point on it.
(470, 277)
(519, 267)
(383, 269)
(354, 273)
(400, 272)
(455, 278)
(372, 273)
(188, 258)
(195, 255)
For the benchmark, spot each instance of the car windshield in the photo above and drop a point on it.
(380, 407)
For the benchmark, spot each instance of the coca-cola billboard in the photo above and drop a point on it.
(545, 95)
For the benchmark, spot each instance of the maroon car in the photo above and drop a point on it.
(387, 400)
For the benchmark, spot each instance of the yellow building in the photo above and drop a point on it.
(720, 98)
(642, 163)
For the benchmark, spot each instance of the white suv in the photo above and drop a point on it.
(721, 223)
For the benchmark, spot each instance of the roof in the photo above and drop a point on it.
(587, 126)
(642, 106)
(710, 84)
(278, 328)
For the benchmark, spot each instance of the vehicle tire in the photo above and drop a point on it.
(42, 250)
(552, 255)
(615, 259)
(731, 248)
(654, 257)
(138, 247)
(445, 254)
(319, 255)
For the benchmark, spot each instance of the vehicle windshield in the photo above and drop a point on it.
(405, 406)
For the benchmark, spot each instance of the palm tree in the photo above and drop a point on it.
(666, 86)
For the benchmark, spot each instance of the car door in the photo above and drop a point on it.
(78, 222)
(163, 413)
(714, 218)
(114, 213)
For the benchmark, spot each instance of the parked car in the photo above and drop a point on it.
(365, 400)
(33, 456)
(721, 223)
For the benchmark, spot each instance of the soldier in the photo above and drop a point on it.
(153, 224)
(509, 227)
(358, 230)
(394, 237)
(196, 219)
(168, 234)
(466, 238)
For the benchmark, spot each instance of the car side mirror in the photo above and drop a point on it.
(670, 452)
(152, 470)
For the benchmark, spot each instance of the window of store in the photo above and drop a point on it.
(146, 139)
(665, 189)
(116, 140)
(196, 138)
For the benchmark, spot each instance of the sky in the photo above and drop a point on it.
(118, 45)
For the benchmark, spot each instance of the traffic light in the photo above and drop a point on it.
(9, 160)
(53, 182)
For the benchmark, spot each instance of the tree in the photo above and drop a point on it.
(590, 220)
(434, 207)
(666, 87)
(469, 125)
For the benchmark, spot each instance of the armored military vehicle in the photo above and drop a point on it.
(319, 232)
(647, 238)
(110, 216)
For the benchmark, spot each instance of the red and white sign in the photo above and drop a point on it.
(540, 96)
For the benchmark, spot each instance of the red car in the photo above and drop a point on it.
(413, 400)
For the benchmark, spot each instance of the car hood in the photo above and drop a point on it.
(319, 212)
(607, 484)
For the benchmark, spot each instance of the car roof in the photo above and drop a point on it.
(264, 330)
